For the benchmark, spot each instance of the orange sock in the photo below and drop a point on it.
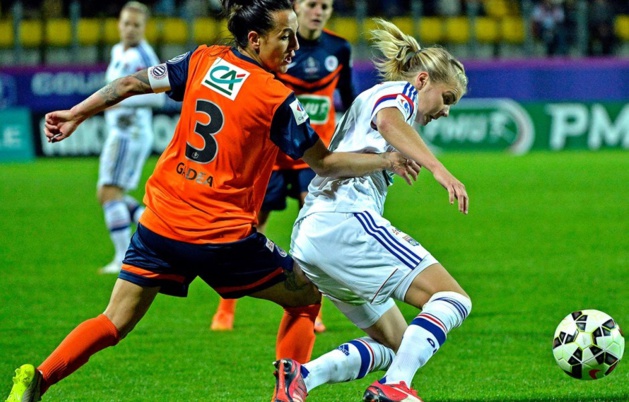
(296, 337)
(76, 349)
(227, 306)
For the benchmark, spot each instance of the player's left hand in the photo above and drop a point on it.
(456, 189)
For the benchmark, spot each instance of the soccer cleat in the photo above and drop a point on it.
(26, 385)
(399, 392)
(113, 267)
(319, 326)
(222, 321)
(289, 383)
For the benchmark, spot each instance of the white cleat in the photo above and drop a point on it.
(113, 267)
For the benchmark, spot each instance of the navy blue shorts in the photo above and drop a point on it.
(284, 184)
(232, 269)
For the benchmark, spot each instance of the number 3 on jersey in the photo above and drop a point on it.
(206, 131)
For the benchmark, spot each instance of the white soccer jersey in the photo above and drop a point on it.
(133, 115)
(344, 245)
(357, 133)
(129, 123)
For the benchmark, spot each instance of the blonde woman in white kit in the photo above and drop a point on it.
(356, 257)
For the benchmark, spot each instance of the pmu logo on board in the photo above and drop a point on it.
(225, 78)
(482, 124)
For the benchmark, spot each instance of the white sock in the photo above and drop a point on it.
(134, 207)
(352, 360)
(118, 223)
(426, 333)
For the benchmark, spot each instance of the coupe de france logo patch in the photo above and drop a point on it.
(404, 104)
(299, 112)
(225, 78)
(281, 251)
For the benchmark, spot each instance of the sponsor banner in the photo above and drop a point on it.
(501, 125)
(89, 137)
(482, 124)
(505, 125)
(47, 88)
(44, 89)
(16, 137)
(592, 125)
(50, 88)
(512, 105)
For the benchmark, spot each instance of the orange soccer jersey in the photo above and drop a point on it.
(210, 181)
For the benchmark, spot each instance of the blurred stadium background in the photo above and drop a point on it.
(560, 87)
(546, 234)
(61, 32)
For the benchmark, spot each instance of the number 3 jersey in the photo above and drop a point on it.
(209, 183)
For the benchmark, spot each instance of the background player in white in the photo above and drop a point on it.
(130, 133)
(356, 257)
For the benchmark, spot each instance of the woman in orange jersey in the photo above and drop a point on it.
(321, 67)
(203, 197)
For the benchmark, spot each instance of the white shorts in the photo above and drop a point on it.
(122, 160)
(358, 258)
(363, 315)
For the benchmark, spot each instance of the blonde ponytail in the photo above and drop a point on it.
(402, 58)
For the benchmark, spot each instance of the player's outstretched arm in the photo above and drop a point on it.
(405, 139)
(60, 124)
(347, 164)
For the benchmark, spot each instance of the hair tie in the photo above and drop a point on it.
(410, 55)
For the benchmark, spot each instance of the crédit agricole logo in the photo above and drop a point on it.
(225, 78)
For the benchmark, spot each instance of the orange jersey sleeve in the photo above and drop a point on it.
(210, 181)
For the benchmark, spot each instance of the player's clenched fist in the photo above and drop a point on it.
(59, 125)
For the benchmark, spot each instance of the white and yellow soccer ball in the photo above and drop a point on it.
(588, 344)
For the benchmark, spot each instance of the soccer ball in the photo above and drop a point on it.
(588, 344)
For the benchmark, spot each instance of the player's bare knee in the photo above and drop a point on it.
(122, 324)
(296, 279)
(108, 193)
(308, 295)
(304, 296)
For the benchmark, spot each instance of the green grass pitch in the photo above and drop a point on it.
(547, 233)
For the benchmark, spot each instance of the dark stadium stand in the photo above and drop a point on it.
(174, 30)
(500, 27)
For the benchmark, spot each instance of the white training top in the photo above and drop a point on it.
(138, 109)
(356, 132)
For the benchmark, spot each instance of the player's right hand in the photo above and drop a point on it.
(59, 125)
(408, 169)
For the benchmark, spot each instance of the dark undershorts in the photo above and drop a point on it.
(284, 184)
(232, 269)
